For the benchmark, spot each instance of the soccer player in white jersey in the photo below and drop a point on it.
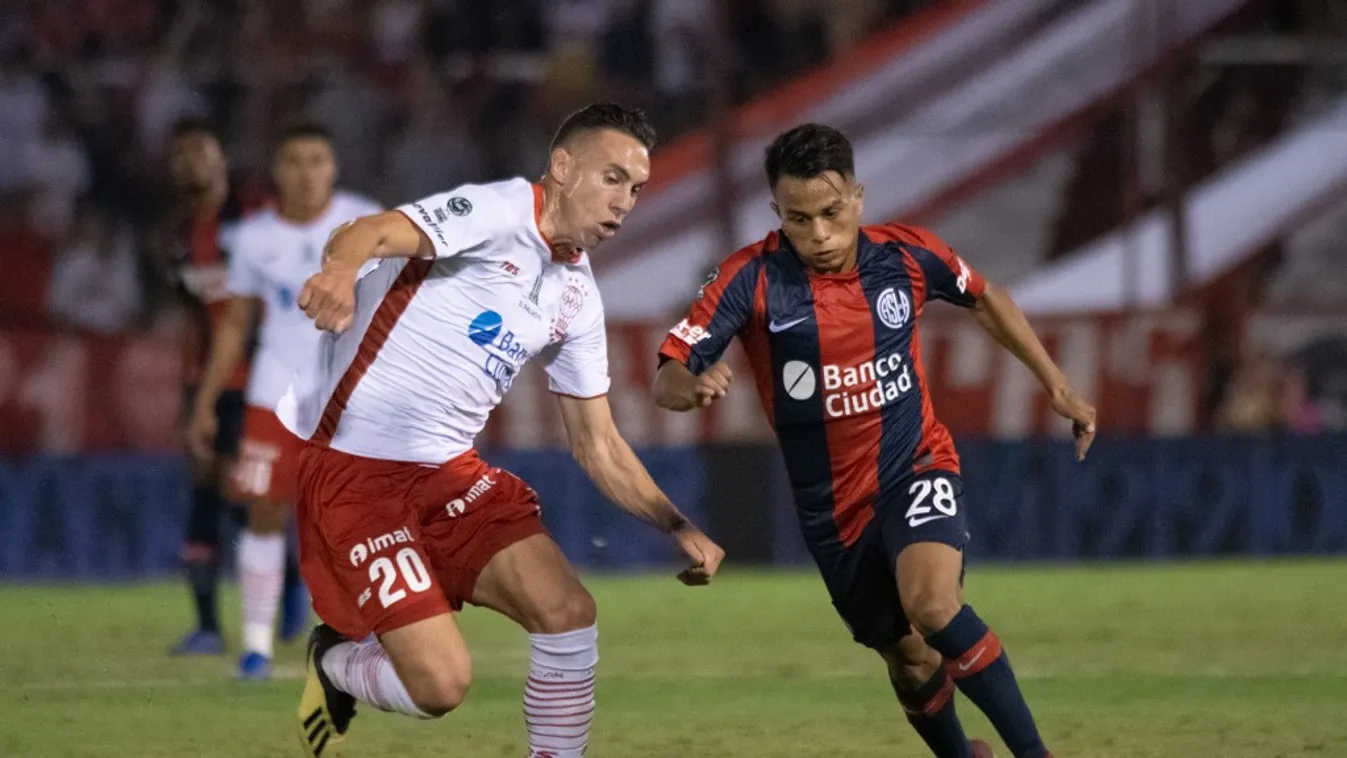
(273, 252)
(400, 521)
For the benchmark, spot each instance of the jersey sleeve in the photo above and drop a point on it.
(937, 272)
(242, 277)
(461, 219)
(723, 307)
(578, 364)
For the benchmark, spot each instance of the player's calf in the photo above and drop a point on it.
(531, 582)
(927, 696)
(928, 581)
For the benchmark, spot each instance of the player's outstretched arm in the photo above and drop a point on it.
(1002, 318)
(678, 389)
(226, 353)
(328, 297)
(620, 476)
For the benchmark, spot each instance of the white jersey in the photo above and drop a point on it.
(270, 259)
(436, 343)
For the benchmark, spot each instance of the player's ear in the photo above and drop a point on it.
(776, 209)
(560, 164)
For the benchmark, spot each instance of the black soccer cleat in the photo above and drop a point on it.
(325, 712)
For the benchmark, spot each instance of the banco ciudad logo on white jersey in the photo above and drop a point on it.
(505, 355)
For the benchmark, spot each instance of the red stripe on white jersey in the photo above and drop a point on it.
(394, 304)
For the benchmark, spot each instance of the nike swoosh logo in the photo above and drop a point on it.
(776, 326)
(914, 521)
(971, 661)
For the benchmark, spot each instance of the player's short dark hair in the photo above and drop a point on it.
(807, 151)
(629, 121)
(192, 125)
(306, 129)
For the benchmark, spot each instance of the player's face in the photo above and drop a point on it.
(196, 161)
(607, 171)
(821, 217)
(305, 170)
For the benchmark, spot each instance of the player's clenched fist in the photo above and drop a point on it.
(328, 298)
(712, 384)
(704, 555)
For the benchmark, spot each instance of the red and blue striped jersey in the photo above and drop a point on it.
(837, 362)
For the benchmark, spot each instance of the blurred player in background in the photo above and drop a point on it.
(826, 311)
(400, 521)
(206, 212)
(272, 253)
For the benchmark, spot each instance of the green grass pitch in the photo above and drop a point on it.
(1214, 659)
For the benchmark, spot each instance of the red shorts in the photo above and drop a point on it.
(384, 544)
(268, 460)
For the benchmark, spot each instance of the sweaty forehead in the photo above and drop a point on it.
(794, 194)
(604, 147)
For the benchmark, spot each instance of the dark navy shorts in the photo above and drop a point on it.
(861, 577)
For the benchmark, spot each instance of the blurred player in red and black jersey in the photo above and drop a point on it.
(827, 310)
(206, 214)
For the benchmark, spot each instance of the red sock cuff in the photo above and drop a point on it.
(980, 656)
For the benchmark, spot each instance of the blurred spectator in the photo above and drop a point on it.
(23, 112)
(95, 282)
(435, 151)
(351, 106)
(419, 94)
(25, 257)
(627, 53)
(58, 168)
(678, 30)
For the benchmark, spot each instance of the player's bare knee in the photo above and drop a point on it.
(930, 612)
(442, 691)
(566, 612)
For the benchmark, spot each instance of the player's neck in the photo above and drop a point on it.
(551, 225)
(299, 212)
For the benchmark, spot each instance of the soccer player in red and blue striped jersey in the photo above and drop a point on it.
(827, 310)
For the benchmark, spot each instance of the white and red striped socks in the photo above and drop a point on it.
(261, 562)
(364, 671)
(559, 695)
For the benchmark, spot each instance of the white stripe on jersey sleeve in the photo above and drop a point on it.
(461, 219)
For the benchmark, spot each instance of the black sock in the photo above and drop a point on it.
(201, 554)
(202, 575)
(930, 710)
(292, 576)
(982, 671)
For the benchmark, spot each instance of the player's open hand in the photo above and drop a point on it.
(712, 384)
(705, 556)
(201, 430)
(328, 298)
(1071, 406)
